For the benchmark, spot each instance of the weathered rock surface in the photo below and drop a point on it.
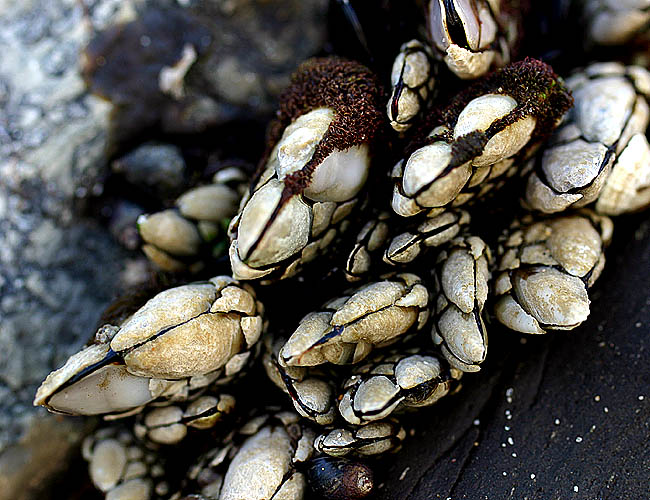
(57, 271)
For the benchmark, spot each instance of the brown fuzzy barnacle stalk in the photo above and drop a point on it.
(317, 161)
(479, 140)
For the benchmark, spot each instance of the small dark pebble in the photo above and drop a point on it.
(157, 168)
(340, 478)
(122, 223)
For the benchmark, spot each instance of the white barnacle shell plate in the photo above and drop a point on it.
(467, 64)
(480, 31)
(340, 176)
(480, 113)
(602, 108)
(415, 370)
(575, 244)
(463, 335)
(110, 389)
(171, 232)
(552, 297)
(298, 350)
(628, 186)
(258, 469)
(300, 139)
(380, 311)
(213, 202)
(265, 237)
(426, 166)
(184, 331)
(109, 458)
(374, 399)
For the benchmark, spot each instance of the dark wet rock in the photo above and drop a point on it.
(183, 70)
(22, 464)
(156, 168)
(123, 217)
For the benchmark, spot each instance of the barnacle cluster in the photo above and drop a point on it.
(427, 284)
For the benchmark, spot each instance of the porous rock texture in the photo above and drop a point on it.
(57, 270)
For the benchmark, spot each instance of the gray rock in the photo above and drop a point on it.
(57, 271)
(256, 47)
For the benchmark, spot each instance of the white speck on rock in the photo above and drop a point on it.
(171, 78)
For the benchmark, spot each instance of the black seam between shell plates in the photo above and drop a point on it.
(338, 330)
(438, 314)
(288, 382)
(397, 92)
(419, 237)
(611, 150)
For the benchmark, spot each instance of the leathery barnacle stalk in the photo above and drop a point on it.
(181, 340)
(317, 161)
